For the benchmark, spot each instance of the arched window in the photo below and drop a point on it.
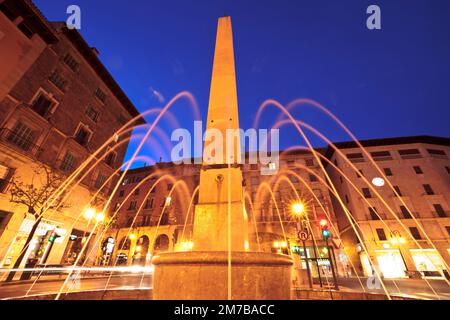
(124, 244)
(161, 243)
(143, 243)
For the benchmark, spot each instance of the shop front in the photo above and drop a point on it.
(428, 262)
(40, 246)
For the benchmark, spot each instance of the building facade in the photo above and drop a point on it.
(58, 106)
(399, 204)
(150, 218)
(418, 169)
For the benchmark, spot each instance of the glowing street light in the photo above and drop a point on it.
(397, 239)
(298, 208)
(100, 217)
(89, 213)
(132, 236)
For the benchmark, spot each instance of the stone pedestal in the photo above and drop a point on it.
(203, 275)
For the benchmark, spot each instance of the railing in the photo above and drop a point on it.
(20, 143)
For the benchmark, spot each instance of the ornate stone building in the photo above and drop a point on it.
(58, 105)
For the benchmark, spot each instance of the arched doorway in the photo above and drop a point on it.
(161, 244)
(124, 245)
(140, 251)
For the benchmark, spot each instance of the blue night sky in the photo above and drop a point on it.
(382, 83)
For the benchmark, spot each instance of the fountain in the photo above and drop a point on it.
(220, 265)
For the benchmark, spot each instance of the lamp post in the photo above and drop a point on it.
(298, 210)
(398, 240)
(90, 213)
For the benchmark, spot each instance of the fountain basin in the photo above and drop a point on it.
(203, 275)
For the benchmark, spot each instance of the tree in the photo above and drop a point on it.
(37, 198)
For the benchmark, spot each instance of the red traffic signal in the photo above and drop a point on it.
(324, 226)
(323, 223)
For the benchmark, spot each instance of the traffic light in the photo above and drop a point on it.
(325, 231)
(53, 237)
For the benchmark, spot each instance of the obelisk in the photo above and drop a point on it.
(220, 222)
(221, 266)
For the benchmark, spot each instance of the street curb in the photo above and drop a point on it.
(19, 282)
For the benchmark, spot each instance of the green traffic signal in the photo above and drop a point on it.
(326, 233)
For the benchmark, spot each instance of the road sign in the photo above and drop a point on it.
(303, 235)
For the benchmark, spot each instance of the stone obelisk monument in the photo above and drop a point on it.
(220, 266)
(220, 205)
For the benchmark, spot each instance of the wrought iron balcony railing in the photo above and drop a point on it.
(20, 143)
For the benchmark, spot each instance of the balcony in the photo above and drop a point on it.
(20, 143)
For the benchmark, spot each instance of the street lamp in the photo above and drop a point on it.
(100, 217)
(298, 210)
(89, 213)
(398, 240)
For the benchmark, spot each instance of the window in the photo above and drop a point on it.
(359, 173)
(447, 169)
(92, 114)
(293, 179)
(4, 219)
(42, 105)
(373, 214)
(381, 234)
(169, 186)
(121, 193)
(399, 192)
(346, 199)
(312, 178)
(355, 157)
(405, 213)
(6, 174)
(309, 162)
(100, 95)
(149, 203)
(70, 61)
(366, 193)
(290, 163)
(164, 219)
(448, 229)
(437, 153)
(410, 153)
(132, 205)
(381, 155)
(110, 158)
(137, 191)
(22, 136)
(68, 163)
(418, 170)
(26, 29)
(57, 80)
(254, 181)
(82, 135)
(12, 15)
(415, 233)
(340, 179)
(387, 172)
(100, 181)
(439, 210)
(253, 167)
(428, 189)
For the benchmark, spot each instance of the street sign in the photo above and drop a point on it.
(303, 235)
